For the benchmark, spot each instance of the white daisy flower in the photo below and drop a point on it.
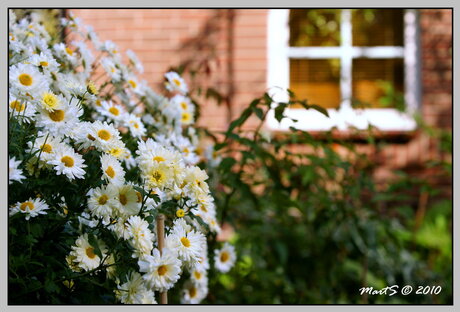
(14, 44)
(14, 173)
(148, 119)
(112, 170)
(187, 245)
(136, 127)
(72, 85)
(193, 293)
(186, 107)
(31, 208)
(129, 160)
(66, 53)
(113, 111)
(111, 68)
(175, 82)
(86, 219)
(203, 261)
(23, 111)
(224, 258)
(117, 150)
(195, 179)
(47, 144)
(199, 276)
(46, 61)
(92, 36)
(100, 202)
(99, 134)
(87, 57)
(83, 253)
(27, 80)
(60, 122)
(111, 48)
(67, 161)
(141, 237)
(50, 101)
(127, 203)
(134, 291)
(120, 227)
(161, 271)
(158, 175)
(134, 60)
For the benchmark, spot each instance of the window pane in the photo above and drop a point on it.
(314, 27)
(378, 83)
(317, 81)
(378, 27)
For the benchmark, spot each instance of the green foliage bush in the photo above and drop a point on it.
(313, 227)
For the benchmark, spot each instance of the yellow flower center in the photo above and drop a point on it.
(69, 51)
(158, 158)
(89, 136)
(197, 275)
(17, 106)
(186, 117)
(25, 79)
(177, 82)
(185, 241)
(136, 125)
(98, 102)
(139, 197)
(92, 88)
(162, 269)
(115, 111)
(183, 105)
(57, 115)
(186, 151)
(110, 172)
(203, 208)
(104, 135)
(46, 148)
(26, 204)
(117, 152)
(180, 213)
(49, 100)
(123, 199)
(224, 256)
(44, 63)
(192, 292)
(68, 161)
(132, 83)
(90, 252)
(103, 199)
(157, 176)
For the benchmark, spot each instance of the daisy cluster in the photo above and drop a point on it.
(83, 98)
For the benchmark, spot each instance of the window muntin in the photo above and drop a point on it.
(280, 61)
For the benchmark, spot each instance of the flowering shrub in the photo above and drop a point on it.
(92, 164)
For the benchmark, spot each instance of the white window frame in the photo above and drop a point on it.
(385, 119)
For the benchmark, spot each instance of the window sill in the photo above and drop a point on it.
(388, 124)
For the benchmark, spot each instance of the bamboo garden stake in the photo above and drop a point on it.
(161, 242)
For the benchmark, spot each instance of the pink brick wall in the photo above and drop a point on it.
(158, 37)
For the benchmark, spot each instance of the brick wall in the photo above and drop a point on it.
(169, 37)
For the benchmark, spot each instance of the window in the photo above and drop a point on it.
(360, 64)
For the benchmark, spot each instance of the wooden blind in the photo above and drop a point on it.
(316, 81)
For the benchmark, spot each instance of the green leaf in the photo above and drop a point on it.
(93, 242)
(279, 111)
(227, 163)
(320, 109)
